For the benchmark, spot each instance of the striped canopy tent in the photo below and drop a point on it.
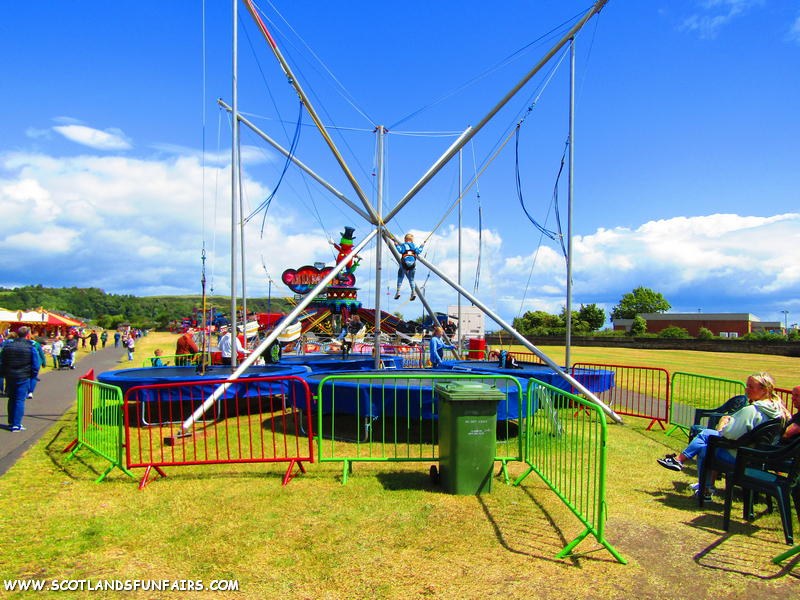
(42, 322)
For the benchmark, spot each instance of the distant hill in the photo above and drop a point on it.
(108, 309)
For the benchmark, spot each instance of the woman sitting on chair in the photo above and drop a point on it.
(764, 405)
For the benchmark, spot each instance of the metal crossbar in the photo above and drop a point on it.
(569, 454)
(100, 423)
(393, 418)
(257, 420)
(689, 392)
(637, 391)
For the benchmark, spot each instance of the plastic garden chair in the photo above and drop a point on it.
(767, 432)
(772, 472)
(713, 414)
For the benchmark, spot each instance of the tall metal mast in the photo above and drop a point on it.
(378, 251)
(568, 341)
(234, 164)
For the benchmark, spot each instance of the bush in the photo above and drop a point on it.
(638, 327)
(794, 336)
(705, 334)
(675, 333)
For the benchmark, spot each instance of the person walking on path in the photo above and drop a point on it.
(20, 364)
(116, 339)
(93, 341)
(42, 362)
(131, 345)
(104, 338)
(55, 350)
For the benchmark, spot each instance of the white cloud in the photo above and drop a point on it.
(34, 133)
(110, 139)
(716, 14)
(138, 226)
(794, 32)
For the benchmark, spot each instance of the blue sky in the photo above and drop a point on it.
(115, 159)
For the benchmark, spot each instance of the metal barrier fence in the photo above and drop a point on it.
(786, 396)
(413, 356)
(255, 421)
(637, 391)
(392, 418)
(179, 360)
(569, 454)
(689, 392)
(526, 357)
(100, 424)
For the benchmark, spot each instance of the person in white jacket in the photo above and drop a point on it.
(764, 405)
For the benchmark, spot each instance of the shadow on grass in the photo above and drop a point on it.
(745, 555)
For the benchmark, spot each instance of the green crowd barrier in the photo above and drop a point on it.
(688, 392)
(101, 424)
(392, 418)
(179, 360)
(567, 450)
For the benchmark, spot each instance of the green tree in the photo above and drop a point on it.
(592, 315)
(640, 300)
(638, 327)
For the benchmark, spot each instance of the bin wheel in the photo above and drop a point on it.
(434, 475)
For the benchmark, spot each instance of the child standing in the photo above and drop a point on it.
(408, 263)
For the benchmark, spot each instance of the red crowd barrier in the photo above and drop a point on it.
(257, 420)
(637, 391)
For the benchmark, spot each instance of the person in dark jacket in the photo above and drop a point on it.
(20, 364)
(93, 341)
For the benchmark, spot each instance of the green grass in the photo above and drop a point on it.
(388, 533)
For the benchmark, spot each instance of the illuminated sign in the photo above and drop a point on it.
(302, 280)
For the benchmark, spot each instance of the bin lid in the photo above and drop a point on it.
(456, 391)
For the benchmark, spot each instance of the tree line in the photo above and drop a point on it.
(108, 310)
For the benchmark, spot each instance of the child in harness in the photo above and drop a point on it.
(408, 263)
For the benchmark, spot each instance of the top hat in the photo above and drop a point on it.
(348, 233)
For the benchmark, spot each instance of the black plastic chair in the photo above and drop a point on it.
(767, 432)
(772, 472)
(713, 414)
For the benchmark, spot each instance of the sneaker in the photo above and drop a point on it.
(397, 296)
(15, 429)
(707, 497)
(413, 296)
(30, 395)
(669, 462)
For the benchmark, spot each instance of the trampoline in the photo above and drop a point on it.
(413, 398)
(196, 387)
(596, 381)
(330, 363)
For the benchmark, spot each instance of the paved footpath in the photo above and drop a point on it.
(55, 395)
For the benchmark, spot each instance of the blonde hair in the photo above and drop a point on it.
(409, 237)
(768, 383)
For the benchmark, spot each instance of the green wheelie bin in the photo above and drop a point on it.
(467, 436)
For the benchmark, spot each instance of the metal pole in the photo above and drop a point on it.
(460, 195)
(378, 253)
(568, 341)
(241, 233)
(297, 88)
(316, 177)
(472, 131)
(571, 380)
(234, 162)
(209, 402)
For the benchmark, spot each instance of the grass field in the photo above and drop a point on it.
(390, 533)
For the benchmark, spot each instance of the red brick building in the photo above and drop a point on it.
(720, 324)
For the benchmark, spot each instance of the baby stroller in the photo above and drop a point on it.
(65, 359)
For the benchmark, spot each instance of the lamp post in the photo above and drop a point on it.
(785, 321)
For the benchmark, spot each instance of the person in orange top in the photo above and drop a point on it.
(185, 348)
